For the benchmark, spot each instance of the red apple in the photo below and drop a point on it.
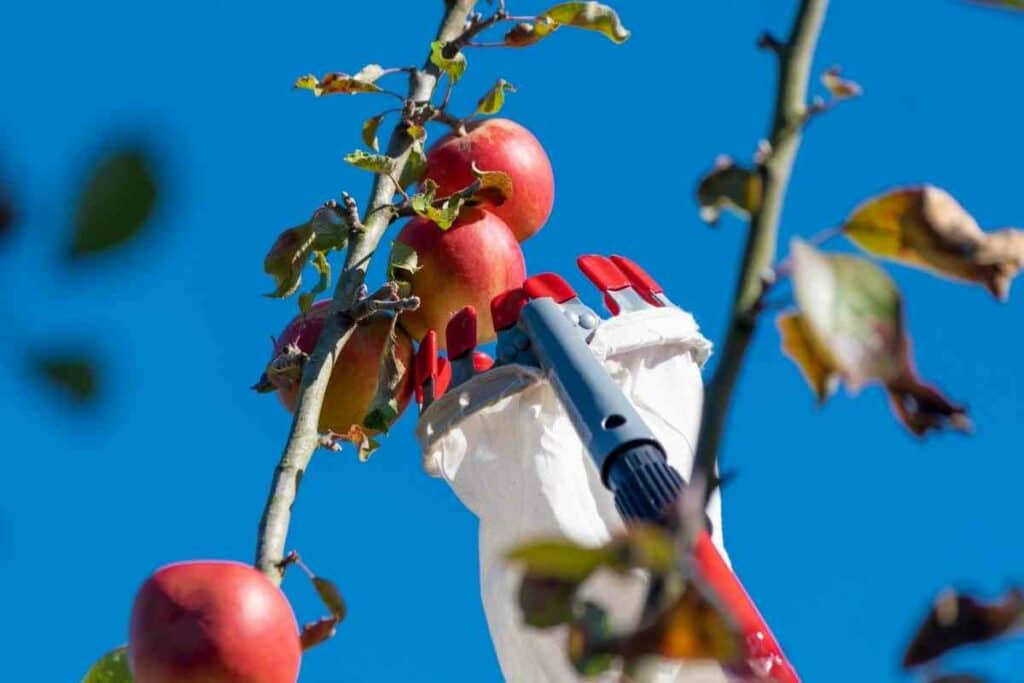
(466, 265)
(498, 145)
(354, 378)
(212, 622)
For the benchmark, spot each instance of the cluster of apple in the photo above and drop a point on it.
(468, 264)
(224, 622)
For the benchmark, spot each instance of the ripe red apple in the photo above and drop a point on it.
(498, 145)
(466, 265)
(212, 622)
(354, 378)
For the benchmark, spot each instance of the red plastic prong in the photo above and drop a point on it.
(460, 334)
(505, 308)
(549, 285)
(482, 362)
(610, 304)
(425, 363)
(443, 378)
(642, 281)
(603, 272)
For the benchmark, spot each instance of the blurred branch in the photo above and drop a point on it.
(304, 436)
(795, 56)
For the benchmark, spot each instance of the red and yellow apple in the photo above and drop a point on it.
(212, 622)
(498, 145)
(353, 381)
(466, 265)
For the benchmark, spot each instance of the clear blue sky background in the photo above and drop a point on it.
(841, 525)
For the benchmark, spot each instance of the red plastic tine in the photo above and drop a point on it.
(721, 580)
(619, 294)
(506, 306)
(425, 364)
(460, 334)
(641, 280)
(482, 362)
(549, 285)
(603, 272)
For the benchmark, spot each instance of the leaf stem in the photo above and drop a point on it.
(339, 326)
(795, 56)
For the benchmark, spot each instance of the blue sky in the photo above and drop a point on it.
(841, 525)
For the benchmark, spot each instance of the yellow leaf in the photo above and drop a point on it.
(926, 227)
(801, 348)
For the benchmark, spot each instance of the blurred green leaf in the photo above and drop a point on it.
(452, 65)
(728, 186)
(383, 409)
(111, 668)
(494, 99)
(587, 634)
(546, 601)
(560, 559)
(116, 201)
(1003, 4)
(442, 213)
(74, 373)
(8, 213)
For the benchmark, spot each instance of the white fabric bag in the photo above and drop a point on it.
(505, 445)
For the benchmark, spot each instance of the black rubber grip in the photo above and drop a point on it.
(644, 484)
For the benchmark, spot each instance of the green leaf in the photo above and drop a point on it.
(403, 262)
(415, 166)
(342, 83)
(370, 127)
(1001, 4)
(375, 163)
(494, 99)
(73, 373)
(593, 16)
(454, 66)
(560, 559)
(442, 213)
(111, 668)
(416, 132)
(588, 635)
(546, 601)
(117, 200)
(323, 267)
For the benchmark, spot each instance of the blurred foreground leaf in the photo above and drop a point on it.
(850, 326)
(957, 620)
(73, 373)
(111, 668)
(927, 228)
(116, 201)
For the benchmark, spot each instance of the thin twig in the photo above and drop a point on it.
(794, 57)
(304, 436)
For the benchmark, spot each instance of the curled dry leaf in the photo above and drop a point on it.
(957, 620)
(369, 132)
(384, 407)
(839, 87)
(729, 186)
(494, 99)
(330, 596)
(361, 439)
(323, 267)
(291, 250)
(926, 227)
(342, 83)
(850, 327)
(318, 631)
(527, 33)
(593, 16)
(493, 187)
